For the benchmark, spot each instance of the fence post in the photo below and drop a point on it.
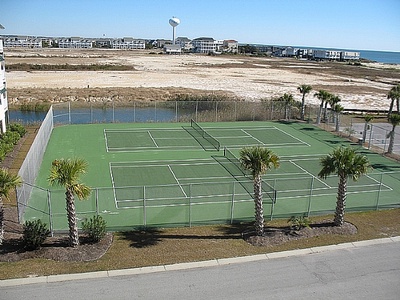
(216, 111)
(370, 137)
(144, 207)
(155, 111)
(176, 111)
(97, 201)
(113, 112)
(190, 205)
(69, 112)
(310, 197)
(50, 213)
(379, 192)
(233, 201)
(197, 107)
(134, 112)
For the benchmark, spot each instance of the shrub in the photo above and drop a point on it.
(35, 233)
(299, 222)
(17, 128)
(95, 228)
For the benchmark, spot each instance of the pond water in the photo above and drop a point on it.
(99, 115)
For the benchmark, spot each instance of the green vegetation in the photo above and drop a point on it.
(258, 161)
(10, 138)
(66, 173)
(299, 222)
(95, 228)
(35, 233)
(343, 162)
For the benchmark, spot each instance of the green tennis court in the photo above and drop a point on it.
(171, 174)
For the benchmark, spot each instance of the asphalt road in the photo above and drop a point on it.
(368, 271)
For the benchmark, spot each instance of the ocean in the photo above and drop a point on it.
(381, 56)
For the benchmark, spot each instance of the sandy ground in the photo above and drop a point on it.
(247, 78)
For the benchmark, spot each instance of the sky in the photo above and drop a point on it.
(343, 24)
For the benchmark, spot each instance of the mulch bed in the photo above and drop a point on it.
(274, 236)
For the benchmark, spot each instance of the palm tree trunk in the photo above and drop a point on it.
(302, 108)
(337, 121)
(1, 221)
(391, 142)
(391, 107)
(72, 223)
(341, 201)
(259, 210)
(364, 136)
(325, 110)
(320, 113)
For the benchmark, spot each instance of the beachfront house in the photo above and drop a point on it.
(203, 45)
(3, 91)
(230, 46)
(349, 55)
(327, 54)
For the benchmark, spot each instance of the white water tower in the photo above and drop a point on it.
(174, 22)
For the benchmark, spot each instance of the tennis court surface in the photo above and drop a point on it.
(174, 174)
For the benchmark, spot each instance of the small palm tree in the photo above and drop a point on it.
(345, 163)
(367, 118)
(258, 160)
(323, 96)
(393, 119)
(8, 182)
(66, 173)
(394, 95)
(288, 100)
(304, 89)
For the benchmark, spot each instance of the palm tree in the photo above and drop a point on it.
(345, 163)
(323, 96)
(8, 182)
(288, 100)
(304, 89)
(66, 173)
(258, 160)
(367, 118)
(337, 109)
(394, 95)
(393, 119)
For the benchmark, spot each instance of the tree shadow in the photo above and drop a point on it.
(143, 238)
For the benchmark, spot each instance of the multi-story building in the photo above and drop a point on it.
(128, 43)
(75, 43)
(184, 43)
(349, 55)
(327, 54)
(203, 45)
(22, 41)
(3, 92)
(230, 46)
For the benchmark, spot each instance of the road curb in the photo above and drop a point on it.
(191, 265)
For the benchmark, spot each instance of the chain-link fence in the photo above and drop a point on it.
(31, 165)
(178, 111)
(225, 202)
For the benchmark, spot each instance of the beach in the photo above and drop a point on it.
(159, 77)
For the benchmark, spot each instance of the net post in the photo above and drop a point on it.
(96, 199)
(144, 206)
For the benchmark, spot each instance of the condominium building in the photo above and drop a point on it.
(22, 41)
(128, 43)
(75, 43)
(3, 92)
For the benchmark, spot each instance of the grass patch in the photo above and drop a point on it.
(175, 245)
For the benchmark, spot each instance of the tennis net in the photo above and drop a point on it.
(266, 187)
(205, 135)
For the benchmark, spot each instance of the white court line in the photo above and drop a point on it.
(135, 165)
(292, 136)
(252, 137)
(304, 170)
(176, 179)
(106, 140)
(113, 185)
(152, 138)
